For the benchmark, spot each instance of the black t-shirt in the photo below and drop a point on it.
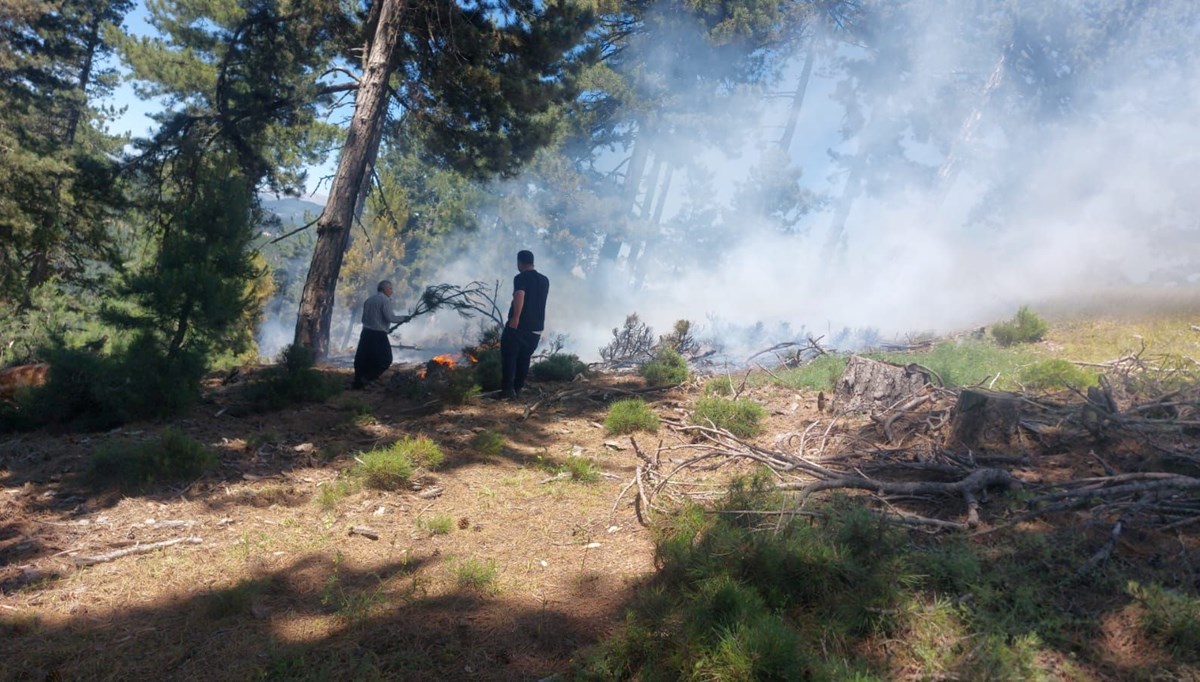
(533, 313)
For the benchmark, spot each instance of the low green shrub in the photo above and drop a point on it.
(630, 415)
(1056, 373)
(743, 418)
(1025, 327)
(459, 387)
(91, 391)
(486, 356)
(293, 380)
(1172, 618)
(488, 369)
(558, 367)
(721, 386)
(173, 456)
(667, 367)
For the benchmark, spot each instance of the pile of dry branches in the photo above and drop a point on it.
(910, 458)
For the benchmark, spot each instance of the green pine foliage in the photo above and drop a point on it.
(59, 192)
(293, 380)
(558, 367)
(1025, 327)
(629, 416)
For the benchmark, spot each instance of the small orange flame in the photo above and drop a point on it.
(446, 360)
(471, 358)
(421, 374)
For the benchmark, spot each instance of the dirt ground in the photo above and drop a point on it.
(275, 579)
(269, 581)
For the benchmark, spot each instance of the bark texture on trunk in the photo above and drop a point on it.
(362, 144)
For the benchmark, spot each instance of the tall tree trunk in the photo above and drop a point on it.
(835, 245)
(629, 192)
(647, 205)
(966, 135)
(362, 144)
(789, 131)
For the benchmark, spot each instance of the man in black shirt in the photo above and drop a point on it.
(526, 320)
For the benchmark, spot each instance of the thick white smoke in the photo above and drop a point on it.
(1097, 191)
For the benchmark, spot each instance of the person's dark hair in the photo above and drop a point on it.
(383, 285)
(525, 257)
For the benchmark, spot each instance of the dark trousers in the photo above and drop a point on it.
(516, 350)
(373, 356)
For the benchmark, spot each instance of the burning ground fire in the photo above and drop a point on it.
(443, 362)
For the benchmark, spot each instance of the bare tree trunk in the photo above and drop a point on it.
(629, 192)
(362, 143)
(789, 131)
(966, 135)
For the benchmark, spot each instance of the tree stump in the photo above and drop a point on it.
(985, 421)
(872, 385)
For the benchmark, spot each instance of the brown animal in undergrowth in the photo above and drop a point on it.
(13, 379)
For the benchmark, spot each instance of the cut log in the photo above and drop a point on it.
(985, 421)
(874, 385)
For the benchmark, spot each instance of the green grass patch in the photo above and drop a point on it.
(581, 469)
(488, 443)
(819, 374)
(1055, 374)
(330, 493)
(630, 415)
(747, 595)
(743, 418)
(478, 576)
(173, 456)
(438, 524)
(968, 363)
(722, 386)
(391, 467)
(558, 367)
(668, 367)
(357, 410)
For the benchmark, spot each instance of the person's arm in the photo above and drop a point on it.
(518, 303)
(391, 317)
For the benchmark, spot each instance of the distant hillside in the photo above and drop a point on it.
(293, 212)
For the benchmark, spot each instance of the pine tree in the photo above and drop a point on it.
(482, 78)
(58, 190)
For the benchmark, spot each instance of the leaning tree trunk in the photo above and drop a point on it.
(362, 144)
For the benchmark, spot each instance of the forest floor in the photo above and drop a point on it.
(507, 573)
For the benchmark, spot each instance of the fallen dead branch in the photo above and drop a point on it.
(136, 549)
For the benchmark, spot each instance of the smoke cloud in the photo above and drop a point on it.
(1074, 171)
